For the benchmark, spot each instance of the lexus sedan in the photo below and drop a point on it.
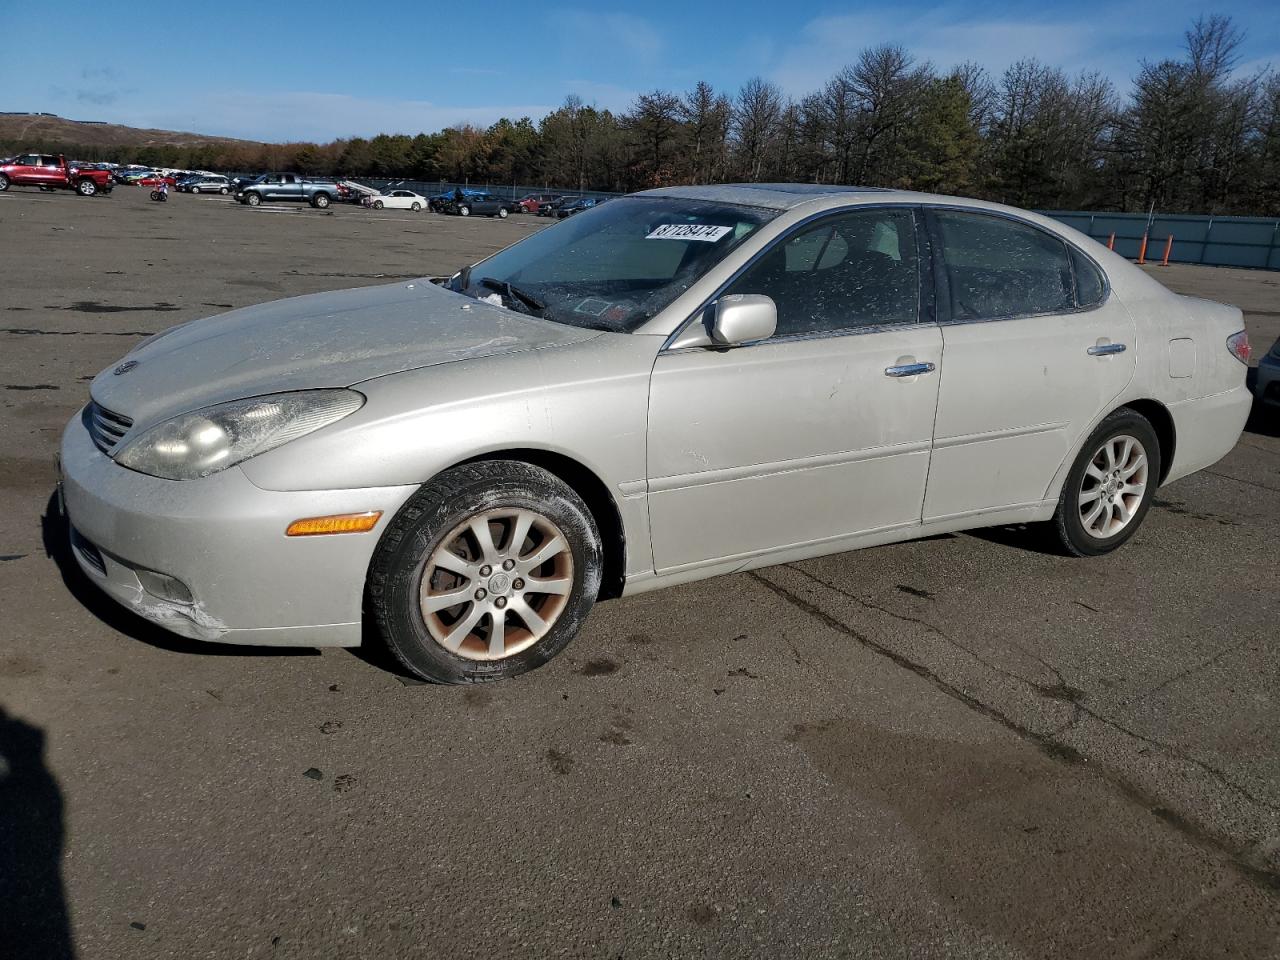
(676, 384)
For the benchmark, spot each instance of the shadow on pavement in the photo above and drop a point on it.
(57, 546)
(34, 921)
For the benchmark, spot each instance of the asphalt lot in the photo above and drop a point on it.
(959, 747)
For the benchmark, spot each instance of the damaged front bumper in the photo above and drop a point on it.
(208, 559)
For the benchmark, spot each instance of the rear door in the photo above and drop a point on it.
(1034, 349)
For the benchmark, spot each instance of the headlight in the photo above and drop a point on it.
(205, 441)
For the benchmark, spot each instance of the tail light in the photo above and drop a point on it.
(1238, 344)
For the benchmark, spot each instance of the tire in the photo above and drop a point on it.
(378, 204)
(416, 207)
(4, 183)
(439, 516)
(464, 211)
(320, 201)
(502, 212)
(195, 189)
(252, 199)
(1122, 453)
(86, 188)
(223, 191)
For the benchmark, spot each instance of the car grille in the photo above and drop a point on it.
(106, 428)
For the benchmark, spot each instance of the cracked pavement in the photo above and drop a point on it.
(964, 746)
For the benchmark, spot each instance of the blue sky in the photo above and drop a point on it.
(336, 70)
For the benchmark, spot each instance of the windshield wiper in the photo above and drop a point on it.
(514, 293)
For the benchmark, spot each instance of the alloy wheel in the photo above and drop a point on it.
(1113, 485)
(496, 584)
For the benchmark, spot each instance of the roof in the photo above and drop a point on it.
(777, 196)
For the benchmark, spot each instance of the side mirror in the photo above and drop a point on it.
(742, 317)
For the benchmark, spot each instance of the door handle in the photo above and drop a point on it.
(909, 369)
(1105, 349)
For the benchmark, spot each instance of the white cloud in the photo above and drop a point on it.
(278, 117)
(621, 34)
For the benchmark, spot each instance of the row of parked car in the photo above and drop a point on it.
(54, 172)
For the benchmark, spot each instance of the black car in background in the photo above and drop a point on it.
(479, 204)
(571, 207)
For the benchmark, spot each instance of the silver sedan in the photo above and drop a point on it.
(673, 385)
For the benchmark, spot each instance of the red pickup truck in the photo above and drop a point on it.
(52, 173)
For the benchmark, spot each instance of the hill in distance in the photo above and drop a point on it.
(46, 129)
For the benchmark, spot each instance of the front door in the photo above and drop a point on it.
(1033, 352)
(817, 433)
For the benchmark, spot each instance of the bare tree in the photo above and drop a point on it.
(756, 113)
(706, 116)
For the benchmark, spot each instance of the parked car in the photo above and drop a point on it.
(481, 204)
(575, 206)
(1268, 386)
(531, 203)
(680, 383)
(288, 187)
(397, 200)
(52, 172)
(549, 208)
(205, 183)
(440, 202)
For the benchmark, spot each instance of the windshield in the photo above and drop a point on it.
(615, 265)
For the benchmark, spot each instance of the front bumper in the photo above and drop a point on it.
(223, 538)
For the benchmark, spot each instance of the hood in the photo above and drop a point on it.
(332, 339)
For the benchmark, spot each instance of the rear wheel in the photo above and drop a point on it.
(86, 188)
(4, 182)
(223, 191)
(320, 201)
(1110, 487)
(502, 212)
(487, 572)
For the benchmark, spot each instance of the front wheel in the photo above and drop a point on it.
(416, 207)
(502, 212)
(464, 211)
(487, 572)
(86, 188)
(1110, 487)
(253, 199)
(223, 191)
(4, 182)
(378, 204)
(195, 189)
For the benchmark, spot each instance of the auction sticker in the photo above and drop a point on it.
(688, 231)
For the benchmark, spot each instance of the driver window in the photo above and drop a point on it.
(849, 271)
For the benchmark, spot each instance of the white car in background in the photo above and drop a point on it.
(397, 200)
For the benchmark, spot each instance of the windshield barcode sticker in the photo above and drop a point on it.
(688, 231)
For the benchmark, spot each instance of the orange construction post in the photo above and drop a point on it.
(1111, 241)
(1142, 250)
(1168, 248)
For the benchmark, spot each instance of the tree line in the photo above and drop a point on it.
(1192, 135)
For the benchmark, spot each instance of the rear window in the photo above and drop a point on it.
(1090, 287)
(998, 267)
